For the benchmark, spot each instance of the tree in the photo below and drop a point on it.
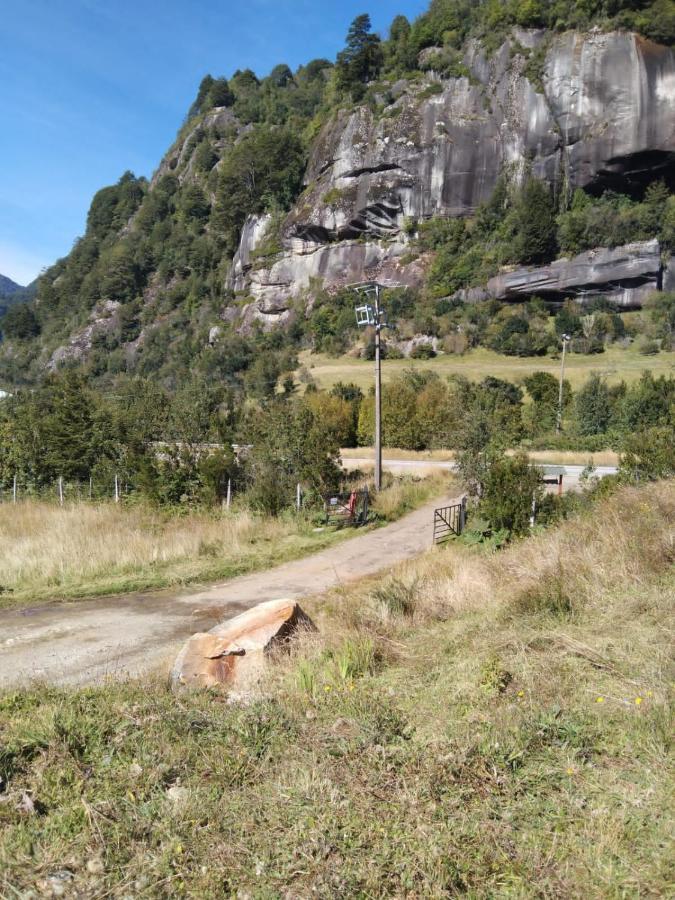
(220, 94)
(20, 322)
(361, 59)
(544, 389)
(510, 488)
(400, 51)
(200, 101)
(594, 406)
(263, 170)
(534, 224)
(193, 204)
(280, 76)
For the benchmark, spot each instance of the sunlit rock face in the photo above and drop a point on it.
(624, 275)
(599, 112)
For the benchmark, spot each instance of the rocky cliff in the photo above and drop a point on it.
(597, 111)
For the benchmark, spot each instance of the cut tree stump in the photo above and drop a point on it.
(233, 654)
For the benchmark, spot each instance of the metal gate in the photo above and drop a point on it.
(449, 520)
(346, 509)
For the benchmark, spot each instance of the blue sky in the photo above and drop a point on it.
(90, 88)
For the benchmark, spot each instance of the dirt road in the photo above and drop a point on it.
(86, 641)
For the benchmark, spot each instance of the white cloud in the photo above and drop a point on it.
(20, 265)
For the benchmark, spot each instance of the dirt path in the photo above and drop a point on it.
(84, 642)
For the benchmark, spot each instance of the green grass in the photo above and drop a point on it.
(453, 744)
(91, 550)
(615, 363)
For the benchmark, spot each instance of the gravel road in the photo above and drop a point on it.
(84, 642)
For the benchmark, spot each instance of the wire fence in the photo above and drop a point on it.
(124, 488)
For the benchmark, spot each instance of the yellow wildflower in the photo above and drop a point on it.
(638, 701)
(599, 699)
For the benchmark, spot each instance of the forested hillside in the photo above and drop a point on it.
(153, 274)
(452, 160)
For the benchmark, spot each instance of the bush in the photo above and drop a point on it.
(422, 351)
(649, 454)
(510, 488)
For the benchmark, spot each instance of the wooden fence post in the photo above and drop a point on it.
(298, 497)
(117, 489)
(61, 489)
(229, 493)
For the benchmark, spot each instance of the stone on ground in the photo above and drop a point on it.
(233, 654)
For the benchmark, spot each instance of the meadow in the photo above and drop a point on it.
(615, 363)
(494, 725)
(90, 549)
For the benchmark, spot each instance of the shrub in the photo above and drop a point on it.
(422, 351)
(510, 488)
(649, 454)
(396, 597)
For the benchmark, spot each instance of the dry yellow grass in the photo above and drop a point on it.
(398, 453)
(560, 570)
(100, 546)
(575, 457)
(553, 457)
(84, 549)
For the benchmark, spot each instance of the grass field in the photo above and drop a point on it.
(481, 725)
(615, 363)
(86, 550)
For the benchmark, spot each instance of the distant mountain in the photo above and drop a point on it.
(7, 286)
(11, 293)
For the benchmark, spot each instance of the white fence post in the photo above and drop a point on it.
(14, 489)
(298, 497)
(117, 489)
(61, 489)
(228, 501)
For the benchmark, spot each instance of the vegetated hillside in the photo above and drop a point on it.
(431, 159)
(11, 293)
(7, 286)
(494, 725)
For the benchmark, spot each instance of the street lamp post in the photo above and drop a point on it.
(558, 422)
(373, 315)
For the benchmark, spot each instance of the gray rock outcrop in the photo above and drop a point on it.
(624, 275)
(601, 114)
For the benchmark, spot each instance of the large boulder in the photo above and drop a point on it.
(624, 275)
(232, 655)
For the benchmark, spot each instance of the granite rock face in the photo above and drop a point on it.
(602, 114)
(624, 275)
